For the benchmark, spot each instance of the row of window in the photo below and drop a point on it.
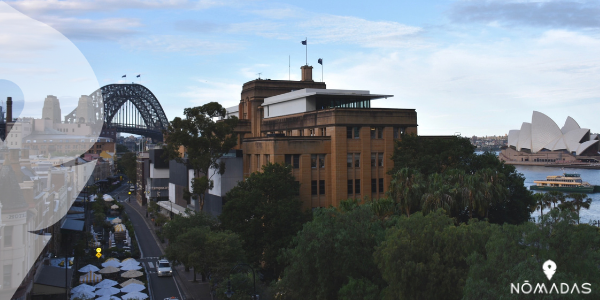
(68, 141)
(354, 186)
(317, 159)
(353, 132)
(321, 187)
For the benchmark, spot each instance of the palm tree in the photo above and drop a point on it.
(438, 194)
(483, 189)
(556, 196)
(406, 189)
(579, 202)
(542, 200)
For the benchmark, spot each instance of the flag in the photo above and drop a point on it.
(304, 42)
(123, 76)
(320, 61)
(138, 76)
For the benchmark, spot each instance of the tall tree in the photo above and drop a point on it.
(266, 212)
(406, 189)
(127, 165)
(579, 201)
(542, 201)
(204, 140)
(556, 197)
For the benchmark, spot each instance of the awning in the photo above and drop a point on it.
(74, 225)
(172, 207)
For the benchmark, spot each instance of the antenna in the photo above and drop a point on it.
(289, 67)
(258, 75)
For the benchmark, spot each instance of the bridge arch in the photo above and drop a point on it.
(130, 108)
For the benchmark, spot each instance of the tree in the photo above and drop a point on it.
(204, 141)
(542, 200)
(122, 148)
(424, 257)
(406, 189)
(127, 165)
(335, 246)
(266, 212)
(361, 288)
(579, 201)
(556, 197)
(515, 253)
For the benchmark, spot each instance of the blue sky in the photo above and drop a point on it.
(474, 67)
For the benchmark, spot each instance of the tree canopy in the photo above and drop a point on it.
(266, 212)
(204, 140)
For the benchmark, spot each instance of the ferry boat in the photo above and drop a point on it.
(568, 182)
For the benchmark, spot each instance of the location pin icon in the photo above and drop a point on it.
(549, 268)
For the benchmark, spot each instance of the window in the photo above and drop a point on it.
(399, 131)
(373, 159)
(349, 132)
(376, 132)
(349, 160)
(352, 132)
(312, 132)
(380, 160)
(356, 132)
(379, 132)
(373, 185)
(373, 132)
(267, 158)
(321, 161)
(300, 132)
(313, 161)
(288, 133)
(357, 160)
(323, 131)
(293, 160)
(321, 187)
(350, 187)
(8, 234)
(313, 187)
(357, 186)
(7, 277)
(381, 185)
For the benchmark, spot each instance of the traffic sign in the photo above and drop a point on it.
(98, 254)
(98, 250)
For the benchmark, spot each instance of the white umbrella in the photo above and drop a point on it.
(111, 263)
(131, 281)
(135, 296)
(130, 267)
(112, 258)
(108, 197)
(106, 283)
(116, 221)
(83, 295)
(128, 259)
(107, 291)
(83, 288)
(130, 262)
(134, 287)
(108, 270)
(131, 274)
(89, 268)
(108, 297)
(114, 206)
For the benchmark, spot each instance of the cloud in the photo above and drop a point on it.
(552, 14)
(88, 29)
(227, 94)
(174, 43)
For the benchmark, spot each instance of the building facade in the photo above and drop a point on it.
(338, 145)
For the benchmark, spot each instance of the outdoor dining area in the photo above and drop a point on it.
(111, 280)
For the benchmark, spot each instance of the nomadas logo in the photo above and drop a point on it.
(549, 268)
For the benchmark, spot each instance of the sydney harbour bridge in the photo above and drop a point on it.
(130, 108)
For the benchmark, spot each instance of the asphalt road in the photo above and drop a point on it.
(160, 287)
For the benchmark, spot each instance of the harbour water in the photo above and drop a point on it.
(532, 173)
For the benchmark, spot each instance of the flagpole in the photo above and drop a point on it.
(306, 39)
(289, 67)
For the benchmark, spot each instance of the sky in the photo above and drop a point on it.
(470, 67)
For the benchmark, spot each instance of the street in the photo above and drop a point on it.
(159, 287)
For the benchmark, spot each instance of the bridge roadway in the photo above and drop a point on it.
(159, 288)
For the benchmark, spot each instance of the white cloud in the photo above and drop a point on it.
(226, 94)
(88, 29)
(173, 43)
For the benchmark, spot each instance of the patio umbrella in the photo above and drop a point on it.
(114, 206)
(116, 221)
(89, 268)
(135, 296)
(108, 297)
(113, 259)
(90, 277)
(131, 274)
(107, 291)
(134, 287)
(84, 295)
(129, 259)
(108, 197)
(131, 281)
(111, 263)
(108, 270)
(106, 283)
(83, 288)
(130, 267)
(131, 262)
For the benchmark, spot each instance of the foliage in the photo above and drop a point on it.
(242, 286)
(265, 211)
(424, 257)
(335, 246)
(359, 289)
(204, 140)
(516, 253)
(127, 164)
(122, 148)
(180, 224)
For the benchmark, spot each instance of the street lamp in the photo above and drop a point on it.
(229, 291)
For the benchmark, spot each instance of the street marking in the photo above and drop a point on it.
(150, 265)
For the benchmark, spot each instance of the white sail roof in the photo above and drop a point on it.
(570, 124)
(524, 137)
(543, 131)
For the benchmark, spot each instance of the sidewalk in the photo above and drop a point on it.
(190, 290)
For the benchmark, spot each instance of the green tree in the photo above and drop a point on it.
(361, 288)
(127, 165)
(181, 224)
(515, 253)
(556, 197)
(266, 212)
(406, 189)
(580, 201)
(542, 201)
(424, 257)
(122, 148)
(335, 246)
(204, 141)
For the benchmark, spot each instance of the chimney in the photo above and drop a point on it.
(9, 117)
(306, 73)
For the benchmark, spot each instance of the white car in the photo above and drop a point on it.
(163, 268)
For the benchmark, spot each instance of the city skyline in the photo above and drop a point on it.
(473, 67)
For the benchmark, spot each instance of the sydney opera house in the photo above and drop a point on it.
(542, 141)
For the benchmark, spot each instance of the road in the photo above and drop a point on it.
(160, 287)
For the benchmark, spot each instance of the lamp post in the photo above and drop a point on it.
(229, 291)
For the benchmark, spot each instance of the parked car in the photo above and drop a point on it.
(164, 268)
